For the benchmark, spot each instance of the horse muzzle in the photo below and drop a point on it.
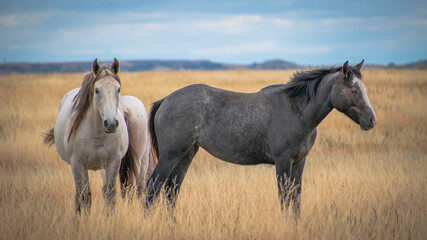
(368, 125)
(110, 125)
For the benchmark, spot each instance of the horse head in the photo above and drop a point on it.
(106, 91)
(349, 97)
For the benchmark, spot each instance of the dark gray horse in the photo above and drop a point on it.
(276, 125)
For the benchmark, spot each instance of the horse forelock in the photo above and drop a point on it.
(356, 72)
(83, 100)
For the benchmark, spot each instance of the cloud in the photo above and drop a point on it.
(251, 47)
(229, 23)
(202, 35)
(353, 24)
(8, 21)
(260, 47)
(280, 22)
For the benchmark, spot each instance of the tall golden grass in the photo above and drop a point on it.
(356, 185)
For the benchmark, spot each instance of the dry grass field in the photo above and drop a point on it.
(356, 185)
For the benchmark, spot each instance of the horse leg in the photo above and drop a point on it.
(83, 198)
(146, 170)
(144, 173)
(109, 191)
(283, 174)
(104, 175)
(167, 162)
(296, 178)
(174, 181)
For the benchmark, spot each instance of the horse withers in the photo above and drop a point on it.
(97, 129)
(276, 125)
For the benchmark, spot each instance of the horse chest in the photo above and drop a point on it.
(94, 158)
(95, 154)
(301, 148)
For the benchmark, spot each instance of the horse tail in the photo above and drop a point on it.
(127, 170)
(153, 155)
(48, 137)
(154, 107)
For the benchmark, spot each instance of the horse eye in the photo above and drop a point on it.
(118, 90)
(354, 91)
(96, 90)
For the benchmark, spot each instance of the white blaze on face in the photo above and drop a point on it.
(107, 101)
(362, 87)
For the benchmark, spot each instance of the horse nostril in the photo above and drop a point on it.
(116, 123)
(373, 121)
(105, 123)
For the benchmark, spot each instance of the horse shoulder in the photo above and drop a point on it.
(288, 130)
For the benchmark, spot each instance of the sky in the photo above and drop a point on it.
(310, 32)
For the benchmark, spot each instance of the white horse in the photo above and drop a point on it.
(97, 129)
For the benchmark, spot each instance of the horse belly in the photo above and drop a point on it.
(242, 154)
(237, 157)
(243, 144)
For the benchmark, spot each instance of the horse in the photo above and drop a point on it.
(97, 129)
(276, 125)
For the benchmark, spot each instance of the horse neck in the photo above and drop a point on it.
(319, 106)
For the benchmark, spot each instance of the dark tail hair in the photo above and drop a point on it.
(154, 107)
(127, 169)
(48, 136)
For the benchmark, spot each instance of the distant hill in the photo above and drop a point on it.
(422, 64)
(274, 65)
(150, 65)
(64, 67)
(140, 65)
(170, 65)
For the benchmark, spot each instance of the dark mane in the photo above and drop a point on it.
(305, 82)
(83, 99)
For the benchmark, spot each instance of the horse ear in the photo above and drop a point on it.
(345, 69)
(115, 66)
(95, 66)
(359, 66)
